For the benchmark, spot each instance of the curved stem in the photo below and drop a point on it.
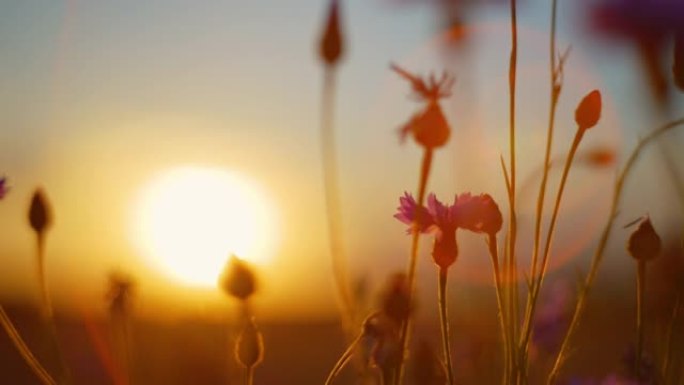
(603, 242)
(332, 199)
(444, 322)
(342, 361)
(24, 350)
(425, 167)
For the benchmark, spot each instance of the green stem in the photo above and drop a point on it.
(426, 165)
(641, 282)
(332, 200)
(444, 322)
(603, 242)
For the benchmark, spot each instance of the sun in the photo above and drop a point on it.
(189, 220)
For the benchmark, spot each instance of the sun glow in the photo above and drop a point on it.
(189, 220)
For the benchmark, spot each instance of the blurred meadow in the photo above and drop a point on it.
(260, 192)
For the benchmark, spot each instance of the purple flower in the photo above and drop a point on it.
(479, 213)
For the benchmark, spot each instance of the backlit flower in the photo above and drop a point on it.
(410, 213)
(479, 213)
(429, 126)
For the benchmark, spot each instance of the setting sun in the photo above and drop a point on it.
(189, 220)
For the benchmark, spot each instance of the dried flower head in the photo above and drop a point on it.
(588, 112)
(3, 187)
(238, 279)
(249, 347)
(396, 302)
(644, 243)
(331, 45)
(40, 216)
(678, 65)
(119, 293)
(429, 127)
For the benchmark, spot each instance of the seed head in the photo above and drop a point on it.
(644, 243)
(40, 216)
(588, 112)
(238, 279)
(331, 45)
(249, 347)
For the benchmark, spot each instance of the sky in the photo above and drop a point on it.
(97, 98)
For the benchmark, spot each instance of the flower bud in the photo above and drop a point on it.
(678, 65)
(430, 128)
(445, 249)
(644, 243)
(237, 279)
(331, 46)
(588, 112)
(3, 187)
(249, 347)
(40, 216)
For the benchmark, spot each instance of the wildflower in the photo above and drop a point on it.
(40, 216)
(249, 347)
(644, 243)
(3, 187)
(411, 213)
(588, 111)
(429, 127)
(479, 214)
(678, 65)
(238, 279)
(331, 45)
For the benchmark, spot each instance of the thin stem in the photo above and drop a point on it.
(342, 361)
(426, 165)
(525, 338)
(494, 254)
(668, 337)
(48, 310)
(332, 199)
(641, 282)
(513, 227)
(24, 350)
(444, 322)
(249, 379)
(603, 242)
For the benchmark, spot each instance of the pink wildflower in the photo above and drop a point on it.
(479, 214)
(410, 213)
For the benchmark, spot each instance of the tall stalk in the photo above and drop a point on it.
(444, 322)
(603, 242)
(641, 286)
(494, 254)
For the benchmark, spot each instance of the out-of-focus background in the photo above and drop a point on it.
(112, 106)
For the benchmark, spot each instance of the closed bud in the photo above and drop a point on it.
(40, 216)
(644, 243)
(238, 279)
(430, 128)
(678, 65)
(249, 347)
(331, 46)
(588, 112)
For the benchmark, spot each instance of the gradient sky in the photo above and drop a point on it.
(97, 97)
